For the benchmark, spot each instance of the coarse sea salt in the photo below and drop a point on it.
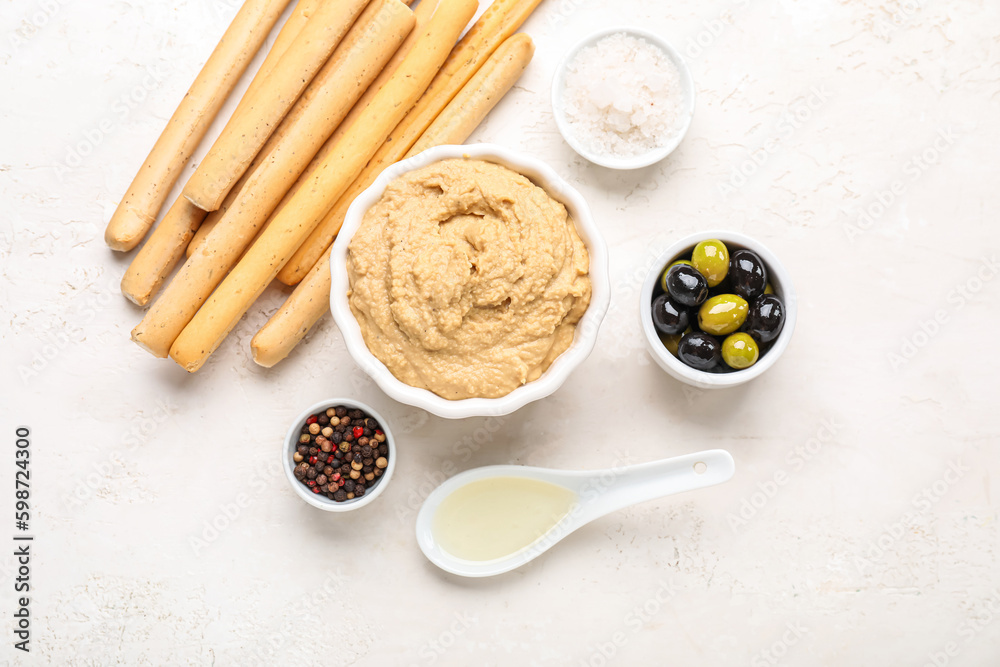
(623, 96)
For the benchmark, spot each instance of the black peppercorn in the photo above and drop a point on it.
(359, 491)
(321, 479)
(349, 486)
(337, 437)
(383, 450)
(323, 419)
(366, 451)
(311, 473)
(340, 496)
(349, 456)
(341, 412)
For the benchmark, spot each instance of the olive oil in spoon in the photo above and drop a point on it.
(495, 517)
(490, 520)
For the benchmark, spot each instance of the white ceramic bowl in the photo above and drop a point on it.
(317, 499)
(635, 162)
(586, 331)
(780, 280)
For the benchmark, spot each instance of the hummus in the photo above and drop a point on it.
(467, 279)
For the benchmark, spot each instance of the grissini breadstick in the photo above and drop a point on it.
(212, 219)
(303, 11)
(303, 308)
(150, 188)
(166, 245)
(311, 297)
(484, 90)
(262, 108)
(314, 196)
(500, 20)
(161, 252)
(421, 15)
(354, 65)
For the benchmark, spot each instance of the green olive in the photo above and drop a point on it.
(663, 276)
(768, 289)
(711, 258)
(740, 351)
(723, 314)
(671, 342)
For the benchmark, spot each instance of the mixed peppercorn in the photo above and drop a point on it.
(342, 453)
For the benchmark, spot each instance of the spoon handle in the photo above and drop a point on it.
(621, 487)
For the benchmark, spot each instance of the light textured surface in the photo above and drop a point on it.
(868, 548)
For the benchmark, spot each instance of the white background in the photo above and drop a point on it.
(133, 460)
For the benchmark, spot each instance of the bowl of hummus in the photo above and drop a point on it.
(469, 281)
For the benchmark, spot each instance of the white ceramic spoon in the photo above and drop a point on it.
(599, 492)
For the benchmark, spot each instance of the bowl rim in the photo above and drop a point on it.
(780, 280)
(638, 161)
(587, 329)
(317, 500)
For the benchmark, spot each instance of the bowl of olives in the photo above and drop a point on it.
(717, 309)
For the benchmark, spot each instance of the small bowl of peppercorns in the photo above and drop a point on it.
(339, 455)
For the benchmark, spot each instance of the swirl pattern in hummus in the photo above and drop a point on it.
(467, 279)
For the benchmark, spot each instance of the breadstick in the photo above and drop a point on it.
(151, 186)
(325, 103)
(421, 15)
(303, 308)
(263, 108)
(500, 20)
(496, 24)
(212, 219)
(314, 196)
(493, 80)
(161, 252)
(311, 298)
(183, 220)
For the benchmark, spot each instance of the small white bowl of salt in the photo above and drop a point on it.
(623, 98)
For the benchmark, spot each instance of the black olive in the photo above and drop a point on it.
(669, 317)
(747, 272)
(765, 319)
(699, 350)
(686, 285)
(725, 287)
